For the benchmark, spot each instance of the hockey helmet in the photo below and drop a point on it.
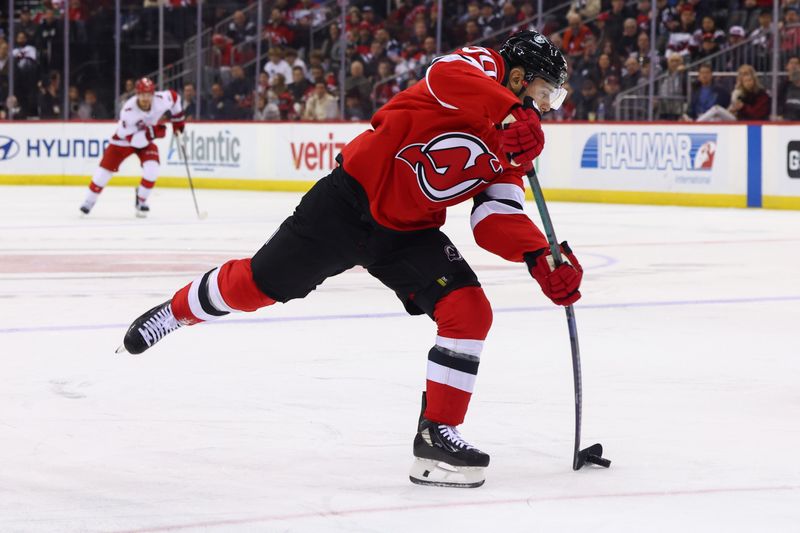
(540, 58)
(145, 85)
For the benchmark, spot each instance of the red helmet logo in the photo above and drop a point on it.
(145, 85)
(450, 165)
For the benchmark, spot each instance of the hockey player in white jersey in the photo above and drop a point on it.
(137, 128)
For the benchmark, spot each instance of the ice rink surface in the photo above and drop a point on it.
(300, 417)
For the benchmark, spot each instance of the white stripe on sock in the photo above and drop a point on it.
(451, 377)
(467, 346)
(214, 295)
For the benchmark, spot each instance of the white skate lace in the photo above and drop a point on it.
(157, 326)
(451, 434)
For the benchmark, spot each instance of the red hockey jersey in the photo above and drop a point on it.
(436, 145)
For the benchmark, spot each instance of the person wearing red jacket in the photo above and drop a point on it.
(439, 143)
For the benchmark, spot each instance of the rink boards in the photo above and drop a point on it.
(726, 165)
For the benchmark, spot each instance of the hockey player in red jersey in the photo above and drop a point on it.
(436, 144)
(138, 127)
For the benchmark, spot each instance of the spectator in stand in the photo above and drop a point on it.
(603, 69)
(321, 105)
(223, 56)
(277, 32)
(791, 103)
(642, 46)
(627, 44)
(607, 107)
(420, 33)
(239, 91)
(90, 108)
(790, 31)
(792, 64)
(575, 36)
(708, 25)
(473, 12)
(736, 54)
(670, 89)
(708, 98)
(189, 101)
(391, 46)
(129, 90)
(291, 57)
(368, 18)
(584, 65)
(5, 65)
(26, 69)
(241, 30)
(385, 86)
(363, 40)
(26, 24)
(331, 44)
(300, 87)
(508, 17)
(218, 107)
(280, 95)
(709, 50)
(587, 9)
(681, 41)
(616, 20)
(277, 65)
(375, 55)
(318, 75)
(428, 53)
(749, 101)
(357, 85)
(50, 97)
(73, 101)
(642, 15)
(587, 101)
(472, 32)
(49, 41)
(601, 26)
(762, 40)
(354, 108)
(263, 111)
(632, 74)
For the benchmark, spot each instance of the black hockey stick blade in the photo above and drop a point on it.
(591, 455)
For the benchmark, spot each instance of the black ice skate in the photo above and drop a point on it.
(86, 207)
(142, 209)
(149, 328)
(444, 459)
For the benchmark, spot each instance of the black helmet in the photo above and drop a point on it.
(537, 55)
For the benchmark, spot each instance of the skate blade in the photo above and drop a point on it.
(121, 349)
(439, 474)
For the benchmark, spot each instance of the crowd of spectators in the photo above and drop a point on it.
(703, 70)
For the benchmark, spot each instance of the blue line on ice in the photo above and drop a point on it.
(312, 318)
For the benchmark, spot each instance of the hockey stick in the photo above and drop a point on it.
(182, 145)
(593, 454)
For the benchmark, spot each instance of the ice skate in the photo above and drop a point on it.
(142, 209)
(86, 207)
(149, 328)
(444, 459)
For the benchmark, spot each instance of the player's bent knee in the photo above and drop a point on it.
(464, 313)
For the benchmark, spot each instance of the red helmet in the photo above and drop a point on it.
(145, 85)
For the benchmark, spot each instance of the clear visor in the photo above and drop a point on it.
(544, 94)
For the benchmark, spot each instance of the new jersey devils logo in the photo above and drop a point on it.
(450, 165)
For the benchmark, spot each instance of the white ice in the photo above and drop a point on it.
(300, 417)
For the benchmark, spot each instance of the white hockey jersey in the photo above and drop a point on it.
(133, 121)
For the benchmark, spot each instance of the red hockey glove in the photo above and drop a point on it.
(523, 140)
(178, 126)
(155, 132)
(561, 283)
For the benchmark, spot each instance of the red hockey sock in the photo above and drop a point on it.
(218, 292)
(464, 317)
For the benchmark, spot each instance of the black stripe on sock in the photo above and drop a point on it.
(202, 295)
(456, 363)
